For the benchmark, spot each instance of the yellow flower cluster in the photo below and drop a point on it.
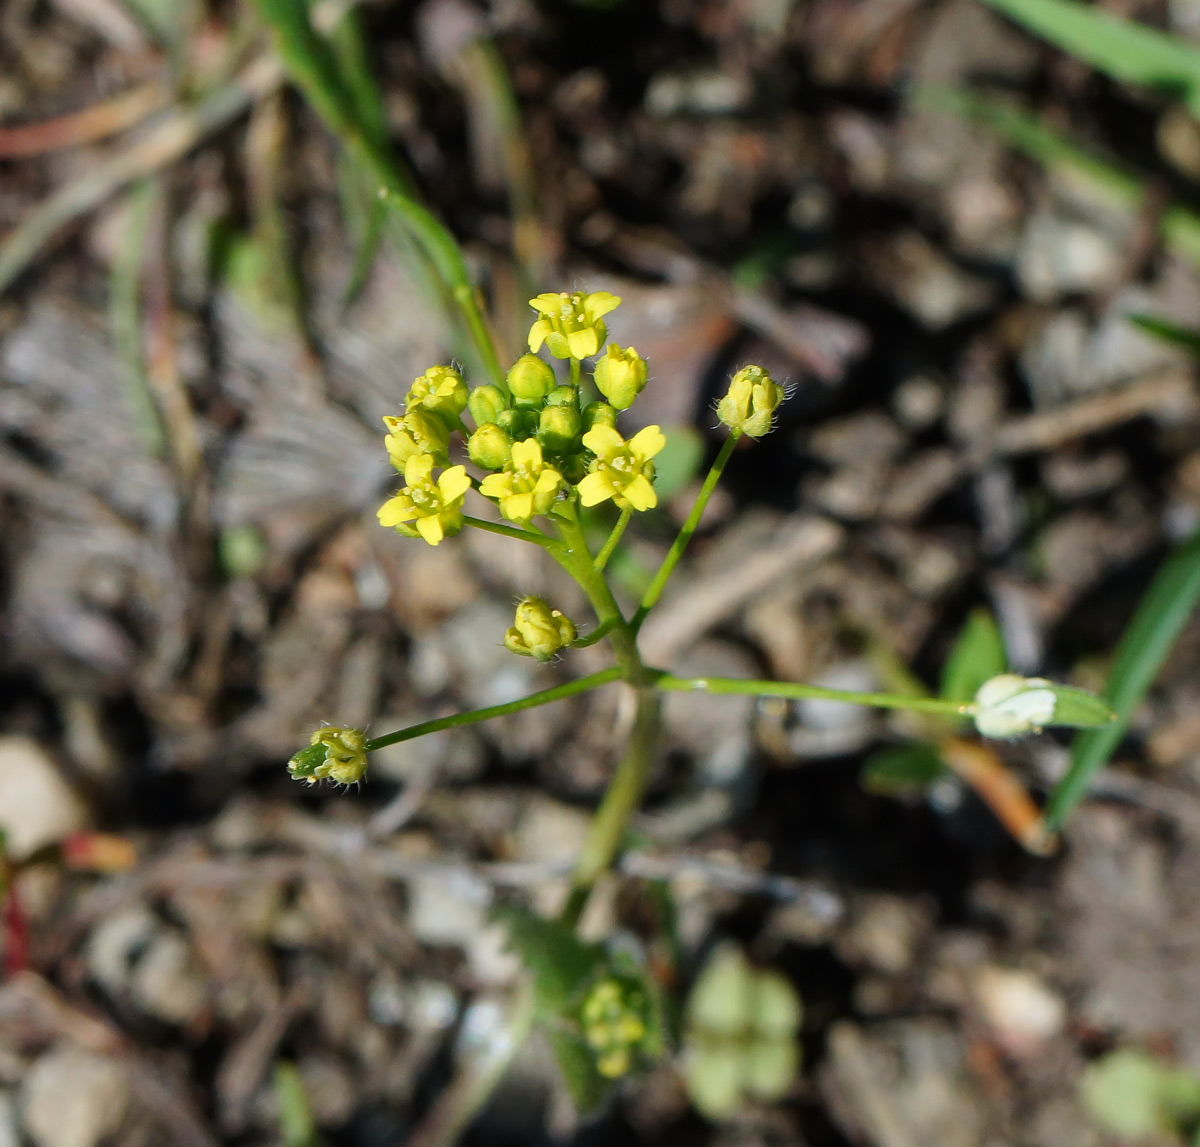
(333, 753)
(614, 1025)
(537, 438)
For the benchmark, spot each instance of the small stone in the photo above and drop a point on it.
(1059, 255)
(73, 1098)
(167, 982)
(884, 933)
(37, 807)
(1021, 1010)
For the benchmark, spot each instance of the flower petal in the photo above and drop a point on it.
(517, 507)
(418, 469)
(584, 343)
(538, 333)
(599, 303)
(496, 486)
(453, 484)
(548, 481)
(527, 454)
(603, 441)
(647, 442)
(396, 510)
(430, 528)
(640, 494)
(548, 303)
(594, 489)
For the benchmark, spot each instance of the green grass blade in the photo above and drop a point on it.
(1157, 622)
(1168, 332)
(1121, 49)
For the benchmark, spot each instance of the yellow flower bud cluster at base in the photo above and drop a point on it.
(538, 631)
(334, 753)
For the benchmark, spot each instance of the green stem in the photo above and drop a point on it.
(607, 551)
(597, 634)
(624, 793)
(654, 592)
(538, 539)
(575, 557)
(575, 365)
(474, 716)
(797, 691)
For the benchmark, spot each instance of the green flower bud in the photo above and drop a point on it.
(563, 396)
(334, 752)
(599, 414)
(486, 402)
(441, 391)
(518, 424)
(751, 401)
(530, 379)
(574, 467)
(538, 631)
(417, 432)
(620, 375)
(490, 448)
(559, 428)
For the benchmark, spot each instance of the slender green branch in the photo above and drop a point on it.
(575, 365)
(474, 716)
(622, 797)
(538, 538)
(597, 634)
(606, 551)
(797, 691)
(654, 591)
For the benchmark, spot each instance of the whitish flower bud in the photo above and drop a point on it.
(334, 752)
(485, 403)
(530, 379)
(620, 375)
(1009, 705)
(559, 428)
(751, 401)
(538, 631)
(599, 414)
(490, 448)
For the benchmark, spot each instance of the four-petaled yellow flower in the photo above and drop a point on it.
(434, 508)
(571, 325)
(418, 432)
(622, 470)
(527, 486)
(440, 390)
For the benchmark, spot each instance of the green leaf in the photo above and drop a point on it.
(1122, 49)
(678, 462)
(1157, 622)
(577, 1062)
(902, 768)
(297, 1127)
(563, 966)
(1079, 709)
(1132, 1094)
(1169, 332)
(978, 655)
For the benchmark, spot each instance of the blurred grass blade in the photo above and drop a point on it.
(297, 1127)
(1119, 48)
(1178, 227)
(1157, 622)
(1169, 332)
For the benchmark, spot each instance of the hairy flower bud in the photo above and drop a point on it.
(564, 395)
(559, 428)
(530, 379)
(599, 414)
(334, 752)
(490, 448)
(538, 631)
(485, 403)
(620, 375)
(518, 424)
(751, 401)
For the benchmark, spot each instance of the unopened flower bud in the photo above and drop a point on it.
(538, 631)
(751, 401)
(485, 403)
(564, 395)
(333, 752)
(559, 428)
(599, 414)
(574, 467)
(530, 379)
(518, 424)
(417, 432)
(620, 375)
(490, 448)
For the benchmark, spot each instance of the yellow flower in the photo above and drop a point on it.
(622, 470)
(527, 485)
(570, 325)
(441, 391)
(751, 401)
(613, 1018)
(435, 508)
(538, 631)
(334, 752)
(418, 432)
